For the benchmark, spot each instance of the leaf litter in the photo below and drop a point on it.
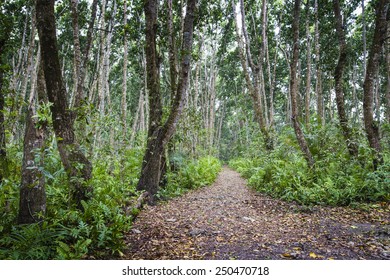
(228, 220)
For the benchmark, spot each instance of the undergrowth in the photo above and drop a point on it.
(191, 174)
(66, 232)
(336, 179)
(98, 231)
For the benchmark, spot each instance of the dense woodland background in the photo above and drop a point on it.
(106, 105)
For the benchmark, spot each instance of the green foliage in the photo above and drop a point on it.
(68, 233)
(192, 175)
(336, 179)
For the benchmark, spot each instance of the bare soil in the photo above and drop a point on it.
(228, 220)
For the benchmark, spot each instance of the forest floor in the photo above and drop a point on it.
(228, 220)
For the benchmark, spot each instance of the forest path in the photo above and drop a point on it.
(230, 221)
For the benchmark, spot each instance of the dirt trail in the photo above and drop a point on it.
(230, 221)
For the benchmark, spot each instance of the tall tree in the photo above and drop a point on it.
(32, 201)
(388, 72)
(159, 133)
(77, 166)
(308, 66)
(371, 127)
(79, 94)
(294, 86)
(125, 62)
(255, 81)
(339, 81)
(320, 99)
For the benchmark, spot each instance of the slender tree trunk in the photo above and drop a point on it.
(108, 69)
(293, 86)
(172, 52)
(388, 73)
(30, 61)
(254, 86)
(288, 101)
(80, 94)
(320, 99)
(159, 134)
(364, 37)
(77, 166)
(21, 53)
(263, 53)
(339, 80)
(3, 150)
(102, 60)
(308, 66)
(372, 128)
(356, 115)
(76, 46)
(377, 97)
(32, 202)
(212, 106)
(138, 118)
(125, 62)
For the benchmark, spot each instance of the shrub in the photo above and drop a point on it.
(68, 233)
(336, 179)
(194, 174)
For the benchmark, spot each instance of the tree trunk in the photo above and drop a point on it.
(30, 61)
(338, 77)
(293, 87)
(138, 118)
(76, 46)
(320, 99)
(32, 202)
(263, 52)
(125, 62)
(77, 166)
(372, 128)
(3, 150)
(102, 67)
(308, 66)
(356, 114)
(388, 73)
(17, 70)
(80, 95)
(364, 37)
(159, 134)
(254, 86)
(172, 52)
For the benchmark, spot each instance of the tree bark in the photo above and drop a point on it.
(371, 127)
(356, 114)
(388, 72)
(125, 62)
(339, 79)
(172, 52)
(254, 86)
(32, 201)
(308, 66)
(293, 86)
(76, 46)
(364, 37)
(320, 99)
(29, 66)
(80, 95)
(77, 166)
(159, 134)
